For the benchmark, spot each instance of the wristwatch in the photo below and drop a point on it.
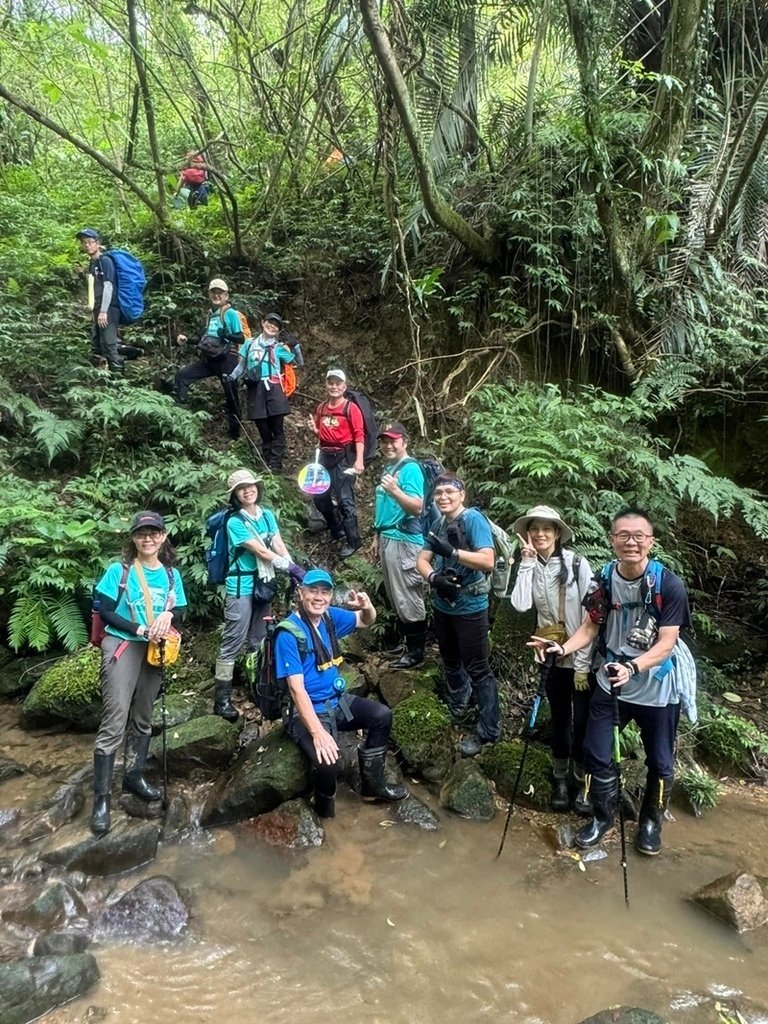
(141, 631)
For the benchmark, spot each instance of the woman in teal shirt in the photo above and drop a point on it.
(129, 684)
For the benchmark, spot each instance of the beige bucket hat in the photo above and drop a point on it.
(543, 512)
(240, 477)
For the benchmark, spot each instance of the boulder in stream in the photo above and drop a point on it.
(207, 742)
(624, 1015)
(396, 685)
(180, 708)
(468, 792)
(293, 824)
(500, 762)
(412, 811)
(70, 691)
(421, 729)
(129, 843)
(10, 769)
(265, 775)
(152, 911)
(36, 984)
(65, 804)
(62, 943)
(42, 906)
(739, 898)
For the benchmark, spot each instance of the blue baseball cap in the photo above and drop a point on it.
(315, 576)
(88, 233)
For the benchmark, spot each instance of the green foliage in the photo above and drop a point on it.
(700, 788)
(421, 720)
(726, 740)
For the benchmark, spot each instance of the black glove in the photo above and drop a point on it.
(445, 584)
(222, 333)
(439, 546)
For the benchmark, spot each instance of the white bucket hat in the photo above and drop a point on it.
(241, 477)
(543, 512)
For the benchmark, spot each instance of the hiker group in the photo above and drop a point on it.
(607, 643)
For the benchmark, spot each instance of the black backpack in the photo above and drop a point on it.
(364, 404)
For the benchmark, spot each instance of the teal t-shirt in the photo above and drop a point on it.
(240, 528)
(477, 535)
(410, 479)
(231, 323)
(131, 604)
(262, 361)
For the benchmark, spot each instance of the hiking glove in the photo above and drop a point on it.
(580, 681)
(445, 585)
(297, 573)
(281, 562)
(439, 546)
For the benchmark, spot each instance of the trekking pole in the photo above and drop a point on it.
(541, 692)
(620, 785)
(249, 439)
(164, 716)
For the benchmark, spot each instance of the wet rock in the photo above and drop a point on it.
(293, 824)
(357, 683)
(18, 675)
(128, 844)
(68, 692)
(61, 943)
(9, 819)
(136, 808)
(739, 898)
(395, 685)
(265, 774)
(500, 762)
(412, 811)
(13, 946)
(65, 804)
(180, 708)
(422, 731)
(35, 985)
(95, 1014)
(10, 769)
(42, 906)
(152, 911)
(178, 816)
(559, 837)
(207, 742)
(468, 792)
(623, 1015)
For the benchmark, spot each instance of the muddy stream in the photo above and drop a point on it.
(389, 923)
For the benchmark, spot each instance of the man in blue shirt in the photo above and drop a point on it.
(399, 539)
(455, 561)
(319, 706)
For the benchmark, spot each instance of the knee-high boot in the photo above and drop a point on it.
(415, 638)
(655, 803)
(222, 701)
(374, 783)
(604, 794)
(136, 750)
(103, 765)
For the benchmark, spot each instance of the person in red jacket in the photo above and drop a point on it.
(194, 178)
(340, 429)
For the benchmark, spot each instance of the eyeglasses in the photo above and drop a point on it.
(625, 536)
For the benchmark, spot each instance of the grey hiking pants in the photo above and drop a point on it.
(403, 582)
(104, 340)
(243, 625)
(129, 686)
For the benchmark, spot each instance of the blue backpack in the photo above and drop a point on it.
(217, 552)
(131, 282)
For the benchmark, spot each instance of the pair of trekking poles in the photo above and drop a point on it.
(541, 692)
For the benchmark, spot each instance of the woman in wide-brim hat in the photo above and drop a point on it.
(129, 684)
(553, 579)
(255, 551)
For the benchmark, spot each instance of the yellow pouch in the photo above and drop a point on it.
(556, 632)
(172, 648)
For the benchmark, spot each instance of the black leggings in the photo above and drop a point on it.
(366, 714)
(570, 709)
(272, 433)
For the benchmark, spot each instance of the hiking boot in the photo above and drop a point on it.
(655, 803)
(102, 785)
(374, 785)
(415, 637)
(353, 537)
(136, 750)
(561, 798)
(604, 794)
(222, 699)
(471, 745)
(325, 803)
(233, 429)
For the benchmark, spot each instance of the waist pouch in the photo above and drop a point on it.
(172, 649)
(212, 346)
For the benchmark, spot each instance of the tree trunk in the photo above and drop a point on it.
(484, 249)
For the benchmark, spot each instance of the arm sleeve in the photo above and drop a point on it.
(110, 617)
(106, 296)
(344, 620)
(356, 422)
(233, 329)
(522, 592)
(674, 602)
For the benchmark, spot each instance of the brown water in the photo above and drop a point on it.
(388, 923)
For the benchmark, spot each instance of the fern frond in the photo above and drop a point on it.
(28, 625)
(67, 621)
(54, 434)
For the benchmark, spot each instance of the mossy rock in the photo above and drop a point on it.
(180, 708)
(396, 685)
(421, 729)
(467, 792)
(69, 692)
(204, 743)
(509, 635)
(500, 762)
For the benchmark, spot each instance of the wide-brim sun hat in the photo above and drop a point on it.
(543, 512)
(240, 478)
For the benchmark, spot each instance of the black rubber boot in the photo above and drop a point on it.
(353, 537)
(136, 750)
(222, 700)
(374, 784)
(655, 803)
(324, 803)
(561, 798)
(333, 524)
(604, 794)
(415, 639)
(582, 803)
(233, 428)
(102, 786)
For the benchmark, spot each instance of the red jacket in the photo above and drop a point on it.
(340, 426)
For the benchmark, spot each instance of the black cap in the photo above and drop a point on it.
(142, 519)
(393, 429)
(88, 233)
(275, 318)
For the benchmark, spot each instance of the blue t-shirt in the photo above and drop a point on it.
(131, 604)
(477, 534)
(263, 361)
(241, 528)
(387, 510)
(319, 685)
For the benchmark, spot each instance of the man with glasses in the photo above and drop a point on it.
(636, 625)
